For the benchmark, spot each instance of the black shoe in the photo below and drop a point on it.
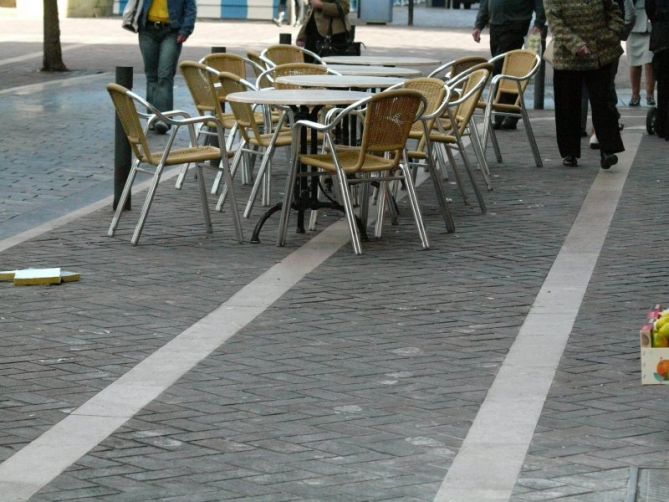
(635, 101)
(497, 123)
(584, 133)
(608, 159)
(570, 161)
(161, 127)
(510, 124)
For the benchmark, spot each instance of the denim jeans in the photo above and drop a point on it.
(160, 52)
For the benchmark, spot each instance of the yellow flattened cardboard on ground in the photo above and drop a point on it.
(37, 277)
(67, 276)
(7, 275)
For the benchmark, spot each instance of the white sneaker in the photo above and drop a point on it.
(278, 20)
(594, 142)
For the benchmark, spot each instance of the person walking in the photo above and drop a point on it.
(164, 25)
(586, 41)
(324, 18)
(509, 21)
(639, 56)
(658, 13)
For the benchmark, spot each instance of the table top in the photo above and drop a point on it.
(340, 81)
(298, 97)
(378, 71)
(381, 60)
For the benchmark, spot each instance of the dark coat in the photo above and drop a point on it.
(575, 23)
(658, 13)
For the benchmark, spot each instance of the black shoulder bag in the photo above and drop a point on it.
(329, 47)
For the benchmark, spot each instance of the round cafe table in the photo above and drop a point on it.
(378, 71)
(382, 60)
(340, 81)
(305, 104)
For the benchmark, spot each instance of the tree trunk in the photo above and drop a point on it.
(53, 55)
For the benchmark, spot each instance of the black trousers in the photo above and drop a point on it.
(567, 88)
(504, 38)
(661, 73)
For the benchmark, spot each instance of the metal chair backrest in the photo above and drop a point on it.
(246, 118)
(434, 92)
(457, 66)
(520, 63)
(124, 102)
(231, 63)
(462, 105)
(388, 121)
(259, 65)
(199, 86)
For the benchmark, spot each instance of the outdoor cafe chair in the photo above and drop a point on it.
(208, 102)
(387, 121)
(154, 161)
(233, 63)
(506, 97)
(455, 67)
(458, 110)
(275, 55)
(256, 134)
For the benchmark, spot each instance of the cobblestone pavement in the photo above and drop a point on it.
(362, 380)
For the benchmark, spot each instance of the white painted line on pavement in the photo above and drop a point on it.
(491, 456)
(42, 460)
(63, 220)
(39, 54)
(61, 82)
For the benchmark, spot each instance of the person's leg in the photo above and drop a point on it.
(170, 50)
(650, 84)
(149, 46)
(584, 111)
(567, 94)
(635, 80)
(604, 117)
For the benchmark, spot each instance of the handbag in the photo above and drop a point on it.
(549, 51)
(131, 14)
(327, 46)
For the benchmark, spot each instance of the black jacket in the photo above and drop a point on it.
(658, 13)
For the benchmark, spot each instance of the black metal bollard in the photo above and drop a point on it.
(218, 50)
(285, 38)
(122, 152)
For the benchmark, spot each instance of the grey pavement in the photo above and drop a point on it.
(362, 379)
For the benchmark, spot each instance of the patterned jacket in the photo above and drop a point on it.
(323, 18)
(597, 24)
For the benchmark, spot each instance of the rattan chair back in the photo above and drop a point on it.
(285, 70)
(199, 86)
(247, 120)
(464, 104)
(130, 121)
(520, 63)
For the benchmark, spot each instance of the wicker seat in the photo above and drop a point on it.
(154, 161)
(506, 97)
(388, 119)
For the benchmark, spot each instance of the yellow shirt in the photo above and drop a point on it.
(158, 12)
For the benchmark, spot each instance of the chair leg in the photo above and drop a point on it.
(233, 170)
(470, 174)
(227, 178)
(383, 193)
(531, 138)
(147, 205)
(204, 199)
(124, 197)
(480, 156)
(456, 173)
(495, 146)
(440, 192)
(413, 199)
(259, 181)
(350, 215)
(288, 196)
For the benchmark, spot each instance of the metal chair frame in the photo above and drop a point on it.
(271, 55)
(125, 103)
(505, 82)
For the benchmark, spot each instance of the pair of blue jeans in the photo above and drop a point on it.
(160, 52)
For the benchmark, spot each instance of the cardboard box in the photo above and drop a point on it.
(654, 360)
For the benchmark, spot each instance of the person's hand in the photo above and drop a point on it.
(476, 35)
(181, 38)
(583, 51)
